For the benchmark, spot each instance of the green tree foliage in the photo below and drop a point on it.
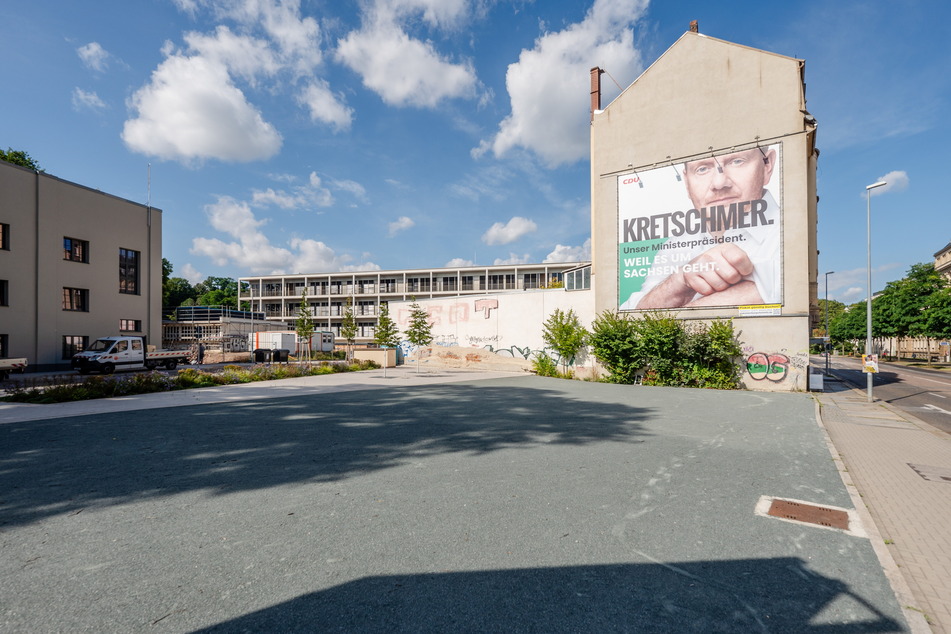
(909, 307)
(938, 317)
(419, 332)
(835, 310)
(304, 326)
(217, 291)
(565, 334)
(666, 351)
(348, 328)
(386, 335)
(21, 158)
(177, 291)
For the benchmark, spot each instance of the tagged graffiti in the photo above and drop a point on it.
(475, 341)
(773, 367)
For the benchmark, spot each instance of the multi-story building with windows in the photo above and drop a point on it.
(75, 264)
(279, 296)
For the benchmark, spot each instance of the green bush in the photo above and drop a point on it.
(544, 365)
(662, 350)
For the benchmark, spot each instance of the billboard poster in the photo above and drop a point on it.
(705, 233)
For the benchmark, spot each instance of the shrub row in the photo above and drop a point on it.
(658, 349)
(187, 378)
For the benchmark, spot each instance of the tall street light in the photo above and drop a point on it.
(868, 305)
(827, 321)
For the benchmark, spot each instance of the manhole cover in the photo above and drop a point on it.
(809, 513)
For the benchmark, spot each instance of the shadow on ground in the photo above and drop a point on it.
(51, 467)
(750, 595)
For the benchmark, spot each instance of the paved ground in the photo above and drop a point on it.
(446, 501)
(901, 467)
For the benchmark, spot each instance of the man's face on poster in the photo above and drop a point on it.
(729, 178)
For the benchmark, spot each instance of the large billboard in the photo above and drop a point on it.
(705, 233)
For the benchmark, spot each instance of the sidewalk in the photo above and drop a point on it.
(898, 470)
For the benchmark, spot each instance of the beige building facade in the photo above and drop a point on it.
(710, 153)
(75, 264)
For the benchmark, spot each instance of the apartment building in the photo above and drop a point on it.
(75, 264)
(279, 296)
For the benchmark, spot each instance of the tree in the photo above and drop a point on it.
(305, 327)
(348, 328)
(835, 310)
(419, 333)
(217, 291)
(565, 334)
(386, 335)
(176, 292)
(21, 158)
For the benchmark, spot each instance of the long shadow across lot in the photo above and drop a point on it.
(61, 466)
(749, 595)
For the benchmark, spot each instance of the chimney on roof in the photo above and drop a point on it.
(694, 26)
(595, 90)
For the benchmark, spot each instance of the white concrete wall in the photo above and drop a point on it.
(509, 324)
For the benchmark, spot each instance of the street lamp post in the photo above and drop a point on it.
(827, 321)
(868, 304)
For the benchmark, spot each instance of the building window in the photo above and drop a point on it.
(578, 280)
(75, 250)
(530, 280)
(130, 325)
(128, 271)
(73, 344)
(467, 284)
(4, 293)
(4, 236)
(76, 299)
(4, 346)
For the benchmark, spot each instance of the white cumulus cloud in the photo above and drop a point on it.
(325, 106)
(511, 231)
(250, 249)
(896, 181)
(405, 71)
(313, 194)
(87, 100)
(196, 105)
(191, 110)
(401, 224)
(563, 253)
(549, 86)
(192, 274)
(94, 56)
(457, 263)
(513, 258)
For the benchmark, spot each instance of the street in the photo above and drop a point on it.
(923, 393)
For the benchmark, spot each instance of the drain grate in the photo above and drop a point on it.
(811, 514)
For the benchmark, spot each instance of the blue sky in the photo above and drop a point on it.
(321, 135)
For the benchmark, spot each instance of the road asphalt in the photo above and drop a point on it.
(442, 501)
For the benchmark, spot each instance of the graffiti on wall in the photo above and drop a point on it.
(486, 306)
(774, 366)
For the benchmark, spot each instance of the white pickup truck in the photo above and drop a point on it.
(11, 365)
(109, 354)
